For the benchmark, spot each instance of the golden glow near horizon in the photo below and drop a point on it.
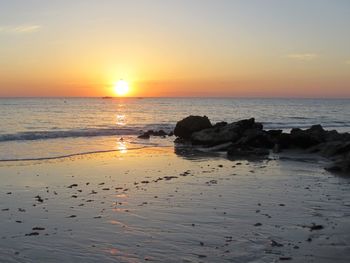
(217, 49)
(121, 88)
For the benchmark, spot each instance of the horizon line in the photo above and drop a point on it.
(167, 97)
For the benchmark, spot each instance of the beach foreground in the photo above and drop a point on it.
(155, 205)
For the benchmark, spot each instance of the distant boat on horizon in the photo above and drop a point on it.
(107, 97)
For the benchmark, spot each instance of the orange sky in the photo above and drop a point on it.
(168, 48)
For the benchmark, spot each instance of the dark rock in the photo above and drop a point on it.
(284, 141)
(144, 136)
(180, 140)
(309, 137)
(191, 124)
(256, 138)
(157, 133)
(274, 133)
(248, 124)
(149, 133)
(333, 136)
(220, 124)
(214, 136)
(227, 133)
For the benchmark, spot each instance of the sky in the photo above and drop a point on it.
(217, 48)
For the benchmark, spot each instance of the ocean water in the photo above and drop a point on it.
(39, 128)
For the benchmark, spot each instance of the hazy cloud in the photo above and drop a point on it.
(303, 56)
(20, 29)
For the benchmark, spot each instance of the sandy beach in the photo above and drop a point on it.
(155, 205)
(174, 131)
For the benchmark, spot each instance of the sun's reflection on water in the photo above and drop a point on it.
(121, 119)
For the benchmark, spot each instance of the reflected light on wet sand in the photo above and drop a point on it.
(121, 147)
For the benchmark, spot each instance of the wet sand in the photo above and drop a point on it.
(154, 205)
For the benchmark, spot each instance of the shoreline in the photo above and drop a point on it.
(154, 205)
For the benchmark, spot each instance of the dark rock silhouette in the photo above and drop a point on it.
(149, 133)
(247, 138)
(191, 124)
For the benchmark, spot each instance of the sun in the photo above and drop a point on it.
(121, 88)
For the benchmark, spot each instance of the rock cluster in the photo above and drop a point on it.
(247, 138)
(149, 133)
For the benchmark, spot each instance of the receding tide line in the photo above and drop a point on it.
(74, 154)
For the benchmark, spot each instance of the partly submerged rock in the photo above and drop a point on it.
(144, 136)
(191, 124)
(149, 133)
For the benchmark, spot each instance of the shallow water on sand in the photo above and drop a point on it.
(154, 205)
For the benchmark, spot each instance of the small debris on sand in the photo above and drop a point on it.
(275, 244)
(285, 258)
(32, 234)
(313, 227)
(39, 199)
(37, 228)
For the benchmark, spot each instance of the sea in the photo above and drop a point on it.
(49, 128)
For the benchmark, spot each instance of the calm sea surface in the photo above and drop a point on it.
(52, 127)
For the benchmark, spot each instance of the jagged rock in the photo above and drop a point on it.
(158, 133)
(248, 124)
(220, 124)
(225, 133)
(191, 124)
(256, 138)
(247, 139)
(214, 136)
(149, 133)
(274, 133)
(309, 137)
(284, 140)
